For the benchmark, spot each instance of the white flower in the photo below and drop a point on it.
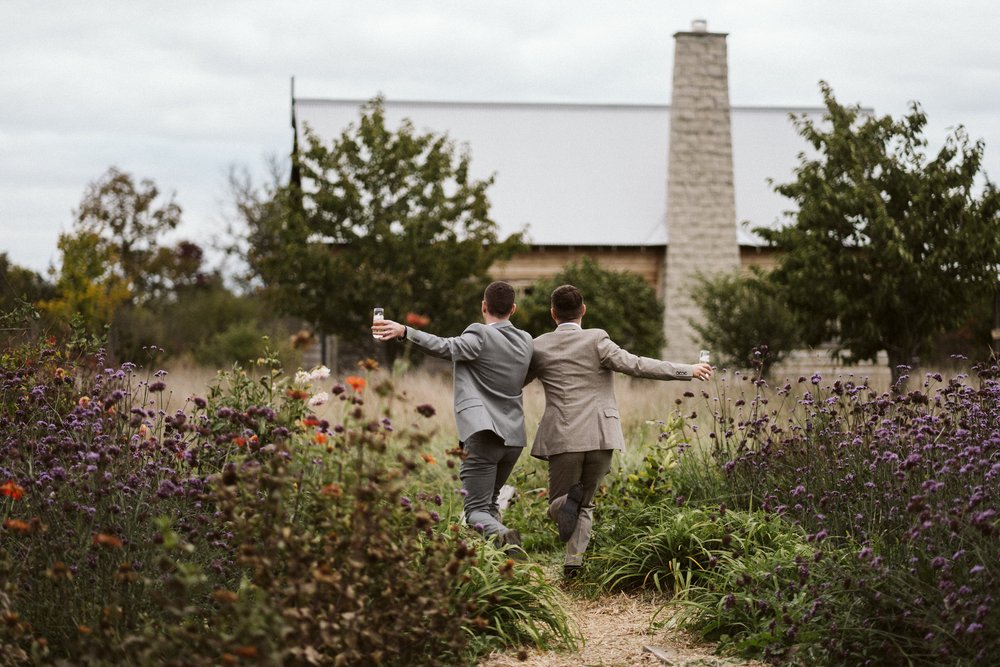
(319, 373)
(319, 399)
(302, 377)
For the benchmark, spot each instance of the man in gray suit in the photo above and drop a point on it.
(581, 427)
(491, 361)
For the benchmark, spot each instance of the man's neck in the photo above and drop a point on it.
(491, 319)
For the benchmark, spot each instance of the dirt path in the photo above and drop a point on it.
(616, 630)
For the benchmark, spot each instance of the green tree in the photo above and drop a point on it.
(20, 285)
(129, 224)
(385, 218)
(20, 290)
(87, 292)
(113, 257)
(619, 302)
(742, 315)
(888, 248)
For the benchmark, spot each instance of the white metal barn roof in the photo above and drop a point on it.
(587, 174)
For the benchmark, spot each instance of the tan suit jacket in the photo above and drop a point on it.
(576, 368)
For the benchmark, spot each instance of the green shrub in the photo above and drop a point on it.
(743, 315)
(619, 302)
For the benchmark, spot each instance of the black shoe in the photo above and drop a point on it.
(571, 571)
(568, 514)
(510, 542)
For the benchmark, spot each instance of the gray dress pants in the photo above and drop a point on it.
(486, 469)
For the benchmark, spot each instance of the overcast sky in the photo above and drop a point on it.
(179, 92)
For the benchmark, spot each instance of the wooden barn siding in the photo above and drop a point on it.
(647, 261)
(547, 261)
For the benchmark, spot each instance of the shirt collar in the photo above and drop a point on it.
(569, 325)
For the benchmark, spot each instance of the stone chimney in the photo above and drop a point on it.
(701, 204)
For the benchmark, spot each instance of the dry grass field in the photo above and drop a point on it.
(640, 401)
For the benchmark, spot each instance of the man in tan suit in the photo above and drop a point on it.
(581, 427)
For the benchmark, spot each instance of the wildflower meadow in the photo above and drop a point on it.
(295, 516)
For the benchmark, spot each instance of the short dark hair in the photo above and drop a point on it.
(499, 297)
(567, 302)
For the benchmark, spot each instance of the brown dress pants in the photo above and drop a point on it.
(565, 471)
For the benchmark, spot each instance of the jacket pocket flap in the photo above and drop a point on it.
(611, 412)
(467, 403)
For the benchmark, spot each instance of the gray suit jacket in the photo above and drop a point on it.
(576, 368)
(491, 362)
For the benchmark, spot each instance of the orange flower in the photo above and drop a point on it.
(368, 364)
(106, 540)
(310, 421)
(9, 488)
(239, 441)
(320, 438)
(17, 526)
(297, 394)
(417, 321)
(428, 458)
(332, 490)
(225, 597)
(84, 401)
(356, 383)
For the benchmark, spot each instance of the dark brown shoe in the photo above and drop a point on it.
(568, 514)
(571, 571)
(510, 542)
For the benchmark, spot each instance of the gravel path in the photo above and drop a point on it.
(617, 631)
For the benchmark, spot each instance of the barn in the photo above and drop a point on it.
(665, 191)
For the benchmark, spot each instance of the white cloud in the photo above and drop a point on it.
(178, 92)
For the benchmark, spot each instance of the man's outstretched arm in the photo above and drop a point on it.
(458, 348)
(623, 361)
